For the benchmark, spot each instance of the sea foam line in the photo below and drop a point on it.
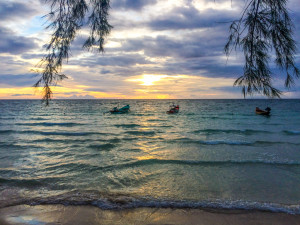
(229, 142)
(149, 162)
(109, 202)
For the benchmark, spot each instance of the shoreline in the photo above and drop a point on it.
(67, 215)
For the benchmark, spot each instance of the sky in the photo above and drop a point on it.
(157, 49)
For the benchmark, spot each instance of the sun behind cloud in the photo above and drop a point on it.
(148, 79)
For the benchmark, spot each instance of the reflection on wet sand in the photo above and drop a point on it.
(70, 215)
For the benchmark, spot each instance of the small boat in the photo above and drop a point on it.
(122, 110)
(173, 109)
(265, 112)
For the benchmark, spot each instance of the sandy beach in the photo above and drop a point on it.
(71, 215)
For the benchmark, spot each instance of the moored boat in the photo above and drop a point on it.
(173, 109)
(122, 110)
(265, 112)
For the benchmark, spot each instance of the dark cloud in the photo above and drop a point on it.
(20, 80)
(32, 56)
(131, 4)
(105, 71)
(190, 42)
(208, 67)
(14, 44)
(191, 18)
(196, 54)
(123, 60)
(22, 95)
(191, 46)
(10, 10)
(10, 62)
(228, 89)
(179, 18)
(98, 89)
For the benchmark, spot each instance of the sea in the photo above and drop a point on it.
(213, 154)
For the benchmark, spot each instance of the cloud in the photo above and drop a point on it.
(149, 37)
(17, 95)
(194, 45)
(32, 56)
(80, 97)
(19, 80)
(195, 54)
(230, 89)
(98, 89)
(15, 44)
(123, 60)
(131, 4)
(191, 18)
(10, 10)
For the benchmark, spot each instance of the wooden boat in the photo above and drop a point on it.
(122, 110)
(173, 109)
(265, 112)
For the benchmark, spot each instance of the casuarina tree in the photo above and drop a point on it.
(263, 30)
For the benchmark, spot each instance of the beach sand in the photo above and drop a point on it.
(72, 215)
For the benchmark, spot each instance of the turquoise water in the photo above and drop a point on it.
(213, 153)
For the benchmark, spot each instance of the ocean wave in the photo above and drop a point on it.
(68, 141)
(66, 133)
(255, 143)
(49, 140)
(69, 167)
(52, 133)
(72, 166)
(246, 131)
(108, 201)
(17, 146)
(29, 182)
(163, 126)
(219, 142)
(274, 143)
(130, 138)
(137, 132)
(156, 120)
(6, 131)
(149, 162)
(7, 118)
(48, 124)
(292, 132)
(127, 125)
(102, 147)
(38, 118)
(230, 142)
(216, 118)
(114, 140)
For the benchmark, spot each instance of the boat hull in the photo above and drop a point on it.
(265, 113)
(172, 111)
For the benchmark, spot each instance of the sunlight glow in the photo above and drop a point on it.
(149, 79)
(204, 5)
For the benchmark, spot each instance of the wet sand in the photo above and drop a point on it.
(72, 215)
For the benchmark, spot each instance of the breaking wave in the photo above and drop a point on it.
(122, 201)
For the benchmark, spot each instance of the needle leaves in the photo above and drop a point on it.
(264, 29)
(66, 18)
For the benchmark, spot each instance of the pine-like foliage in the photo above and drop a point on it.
(66, 18)
(264, 28)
